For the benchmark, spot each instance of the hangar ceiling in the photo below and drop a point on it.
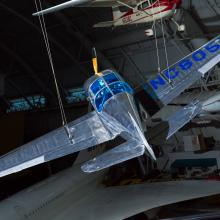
(25, 68)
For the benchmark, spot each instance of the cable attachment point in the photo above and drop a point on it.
(68, 133)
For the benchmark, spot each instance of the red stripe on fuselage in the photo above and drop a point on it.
(169, 6)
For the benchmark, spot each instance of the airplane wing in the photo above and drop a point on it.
(83, 3)
(122, 202)
(74, 193)
(171, 82)
(86, 131)
(126, 151)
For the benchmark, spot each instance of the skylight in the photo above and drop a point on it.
(28, 103)
(76, 95)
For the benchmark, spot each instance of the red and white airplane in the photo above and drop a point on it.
(147, 11)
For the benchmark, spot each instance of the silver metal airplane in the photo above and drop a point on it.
(115, 114)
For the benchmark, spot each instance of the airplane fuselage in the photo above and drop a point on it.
(112, 99)
(146, 12)
(111, 95)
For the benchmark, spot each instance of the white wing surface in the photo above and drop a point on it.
(171, 82)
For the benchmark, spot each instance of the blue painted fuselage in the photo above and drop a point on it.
(111, 95)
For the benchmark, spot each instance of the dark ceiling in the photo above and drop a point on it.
(24, 60)
(25, 66)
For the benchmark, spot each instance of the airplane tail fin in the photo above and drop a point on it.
(116, 13)
(104, 24)
(143, 139)
(183, 116)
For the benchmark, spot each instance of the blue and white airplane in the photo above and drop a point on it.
(115, 114)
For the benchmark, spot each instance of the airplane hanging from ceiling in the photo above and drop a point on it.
(115, 114)
(147, 11)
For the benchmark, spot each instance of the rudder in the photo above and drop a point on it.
(116, 13)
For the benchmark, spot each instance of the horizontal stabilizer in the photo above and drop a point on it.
(183, 116)
(104, 24)
(121, 153)
(168, 84)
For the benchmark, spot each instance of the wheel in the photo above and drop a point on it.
(181, 28)
(149, 32)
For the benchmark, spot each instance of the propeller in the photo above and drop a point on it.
(95, 62)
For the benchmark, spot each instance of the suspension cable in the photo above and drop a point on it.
(164, 43)
(47, 44)
(156, 44)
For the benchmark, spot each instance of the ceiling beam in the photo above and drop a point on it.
(55, 42)
(28, 69)
(75, 31)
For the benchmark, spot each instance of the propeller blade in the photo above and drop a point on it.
(94, 60)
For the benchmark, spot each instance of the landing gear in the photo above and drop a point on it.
(149, 32)
(180, 27)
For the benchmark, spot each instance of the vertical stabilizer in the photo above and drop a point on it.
(143, 139)
(116, 13)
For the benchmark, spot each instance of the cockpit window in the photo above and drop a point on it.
(119, 87)
(145, 4)
(109, 78)
(97, 85)
(108, 85)
(152, 1)
(139, 7)
(101, 98)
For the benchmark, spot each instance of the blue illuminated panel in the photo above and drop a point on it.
(21, 104)
(101, 98)
(76, 95)
(103, 88)
(119, 87)
(97, 85)
(110, 78)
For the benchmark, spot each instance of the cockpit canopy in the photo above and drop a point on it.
(106, 86)
(145, 4)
